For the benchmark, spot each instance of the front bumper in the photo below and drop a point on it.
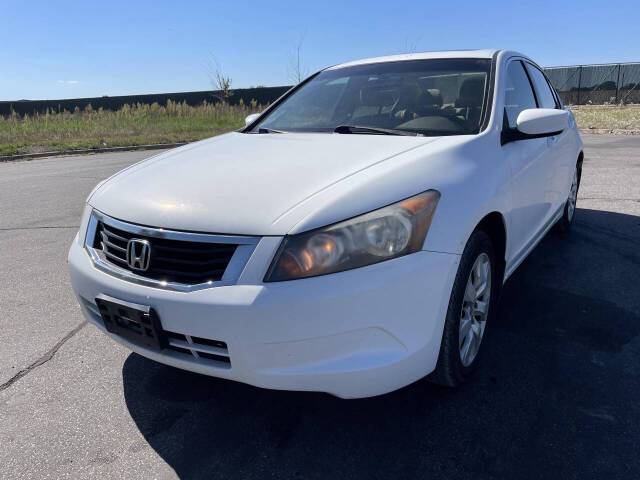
(352, 334)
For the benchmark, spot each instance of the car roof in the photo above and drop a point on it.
(484, 53)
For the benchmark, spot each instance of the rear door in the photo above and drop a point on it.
(529, 163)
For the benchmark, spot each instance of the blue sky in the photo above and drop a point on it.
(66, 49)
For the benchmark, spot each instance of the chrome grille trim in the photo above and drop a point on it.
(105, 240)
(244, 247)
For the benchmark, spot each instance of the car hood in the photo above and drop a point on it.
(248, 184)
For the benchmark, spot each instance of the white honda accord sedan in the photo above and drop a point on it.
(351, 239)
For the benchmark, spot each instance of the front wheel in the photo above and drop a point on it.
(470, 307)
(563, 225)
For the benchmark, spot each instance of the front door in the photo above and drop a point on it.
(529, 208)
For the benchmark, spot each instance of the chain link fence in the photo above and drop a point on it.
(606, 84)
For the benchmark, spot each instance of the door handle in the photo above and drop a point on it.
(551, 140)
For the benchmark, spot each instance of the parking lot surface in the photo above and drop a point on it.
(557, 395)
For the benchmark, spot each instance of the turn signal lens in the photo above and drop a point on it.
(386, 233)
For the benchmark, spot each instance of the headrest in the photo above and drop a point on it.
(375, 97)
(435, 92)
(431, 97)
(471, 92)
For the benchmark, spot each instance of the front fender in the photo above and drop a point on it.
(474, 186)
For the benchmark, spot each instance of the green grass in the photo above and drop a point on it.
(178, 122)
(131, 125)
(607, 117)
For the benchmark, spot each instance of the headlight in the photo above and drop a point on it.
(383, 234)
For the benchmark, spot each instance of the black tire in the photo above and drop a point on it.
(450, 370)
(563, 225)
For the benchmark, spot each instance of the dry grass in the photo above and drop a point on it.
(178, 122)
(131, 125)
(607, 117)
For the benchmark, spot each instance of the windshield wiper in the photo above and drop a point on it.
(269, 130)
(374, 130)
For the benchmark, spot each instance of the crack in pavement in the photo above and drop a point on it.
(43, 359)
(10, 229)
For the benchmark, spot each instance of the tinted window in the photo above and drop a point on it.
(429, 97)
(518, 95)
(545, 96)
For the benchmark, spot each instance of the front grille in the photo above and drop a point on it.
(174, 261)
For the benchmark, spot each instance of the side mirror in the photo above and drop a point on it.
(535, 123)
(251, 118)
(542, 121)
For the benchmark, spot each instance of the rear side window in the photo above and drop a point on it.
(545, 95)
(518, 94)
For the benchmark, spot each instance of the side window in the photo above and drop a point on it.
(546, 98)
(518, 95)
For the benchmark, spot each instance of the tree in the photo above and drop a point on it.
(219, 80)
(411, 44)
(297, 70)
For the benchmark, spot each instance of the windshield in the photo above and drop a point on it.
(427, 97)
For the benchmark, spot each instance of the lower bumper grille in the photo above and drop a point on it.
(200, 348)
(212, 352)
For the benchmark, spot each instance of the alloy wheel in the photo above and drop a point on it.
(475, 308)
(573, 196)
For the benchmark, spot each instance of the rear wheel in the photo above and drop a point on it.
(563, 225)
(470, 307)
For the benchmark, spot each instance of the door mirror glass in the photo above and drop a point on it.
(251, 118)
(542, 121)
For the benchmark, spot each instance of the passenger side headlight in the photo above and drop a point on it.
(386, 233)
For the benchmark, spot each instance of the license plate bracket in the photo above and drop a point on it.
(138, 324)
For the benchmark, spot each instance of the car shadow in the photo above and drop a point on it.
(555, 396)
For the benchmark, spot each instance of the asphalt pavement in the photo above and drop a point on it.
(557, 395)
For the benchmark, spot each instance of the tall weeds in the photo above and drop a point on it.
(136, 124)
(607, 117)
